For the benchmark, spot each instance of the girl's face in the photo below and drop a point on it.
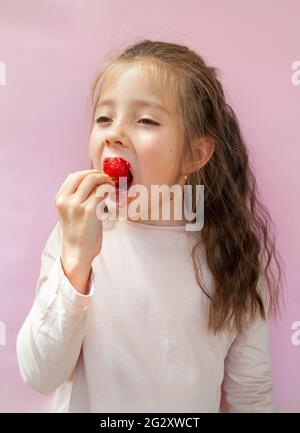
(145, 135)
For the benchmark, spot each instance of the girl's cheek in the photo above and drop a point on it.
(92, 151)
(151, 147)
(154, 160)
(95, 155)
(149, 164)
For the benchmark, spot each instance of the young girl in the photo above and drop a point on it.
(140, 314)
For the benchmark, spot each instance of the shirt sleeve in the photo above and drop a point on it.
(49, 341)
(247, 384)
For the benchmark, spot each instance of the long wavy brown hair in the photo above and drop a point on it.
(238, 232)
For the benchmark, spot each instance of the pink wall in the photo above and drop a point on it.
(50, 51)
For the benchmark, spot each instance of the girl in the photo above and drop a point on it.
(140, 314)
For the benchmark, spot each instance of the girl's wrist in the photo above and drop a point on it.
(75, 257)
(77, 269)
(77, 274)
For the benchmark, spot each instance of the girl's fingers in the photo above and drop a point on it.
(93, 200)
(70, 184)
(89, 183)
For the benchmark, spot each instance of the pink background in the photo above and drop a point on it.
(51, 50)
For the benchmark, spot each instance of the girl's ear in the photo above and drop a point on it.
(203, 148)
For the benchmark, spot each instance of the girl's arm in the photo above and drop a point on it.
(49, 341)
(247, 384)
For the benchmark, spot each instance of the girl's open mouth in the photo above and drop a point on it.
(120, 170)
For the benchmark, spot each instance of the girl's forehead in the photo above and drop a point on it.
(155, 79)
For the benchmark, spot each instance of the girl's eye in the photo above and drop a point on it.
(101, 117)
(99, 120)
(151, 121)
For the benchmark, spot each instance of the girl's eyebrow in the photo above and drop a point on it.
(139, 102)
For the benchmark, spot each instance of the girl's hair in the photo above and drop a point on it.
(237, 232)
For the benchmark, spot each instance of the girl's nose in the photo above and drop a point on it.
(113, 140)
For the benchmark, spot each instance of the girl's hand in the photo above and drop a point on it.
(76, 202)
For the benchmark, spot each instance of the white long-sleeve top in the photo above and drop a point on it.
(138, 340)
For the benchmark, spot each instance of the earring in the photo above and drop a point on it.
(185, 178)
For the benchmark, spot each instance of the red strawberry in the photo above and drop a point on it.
(116, 168)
